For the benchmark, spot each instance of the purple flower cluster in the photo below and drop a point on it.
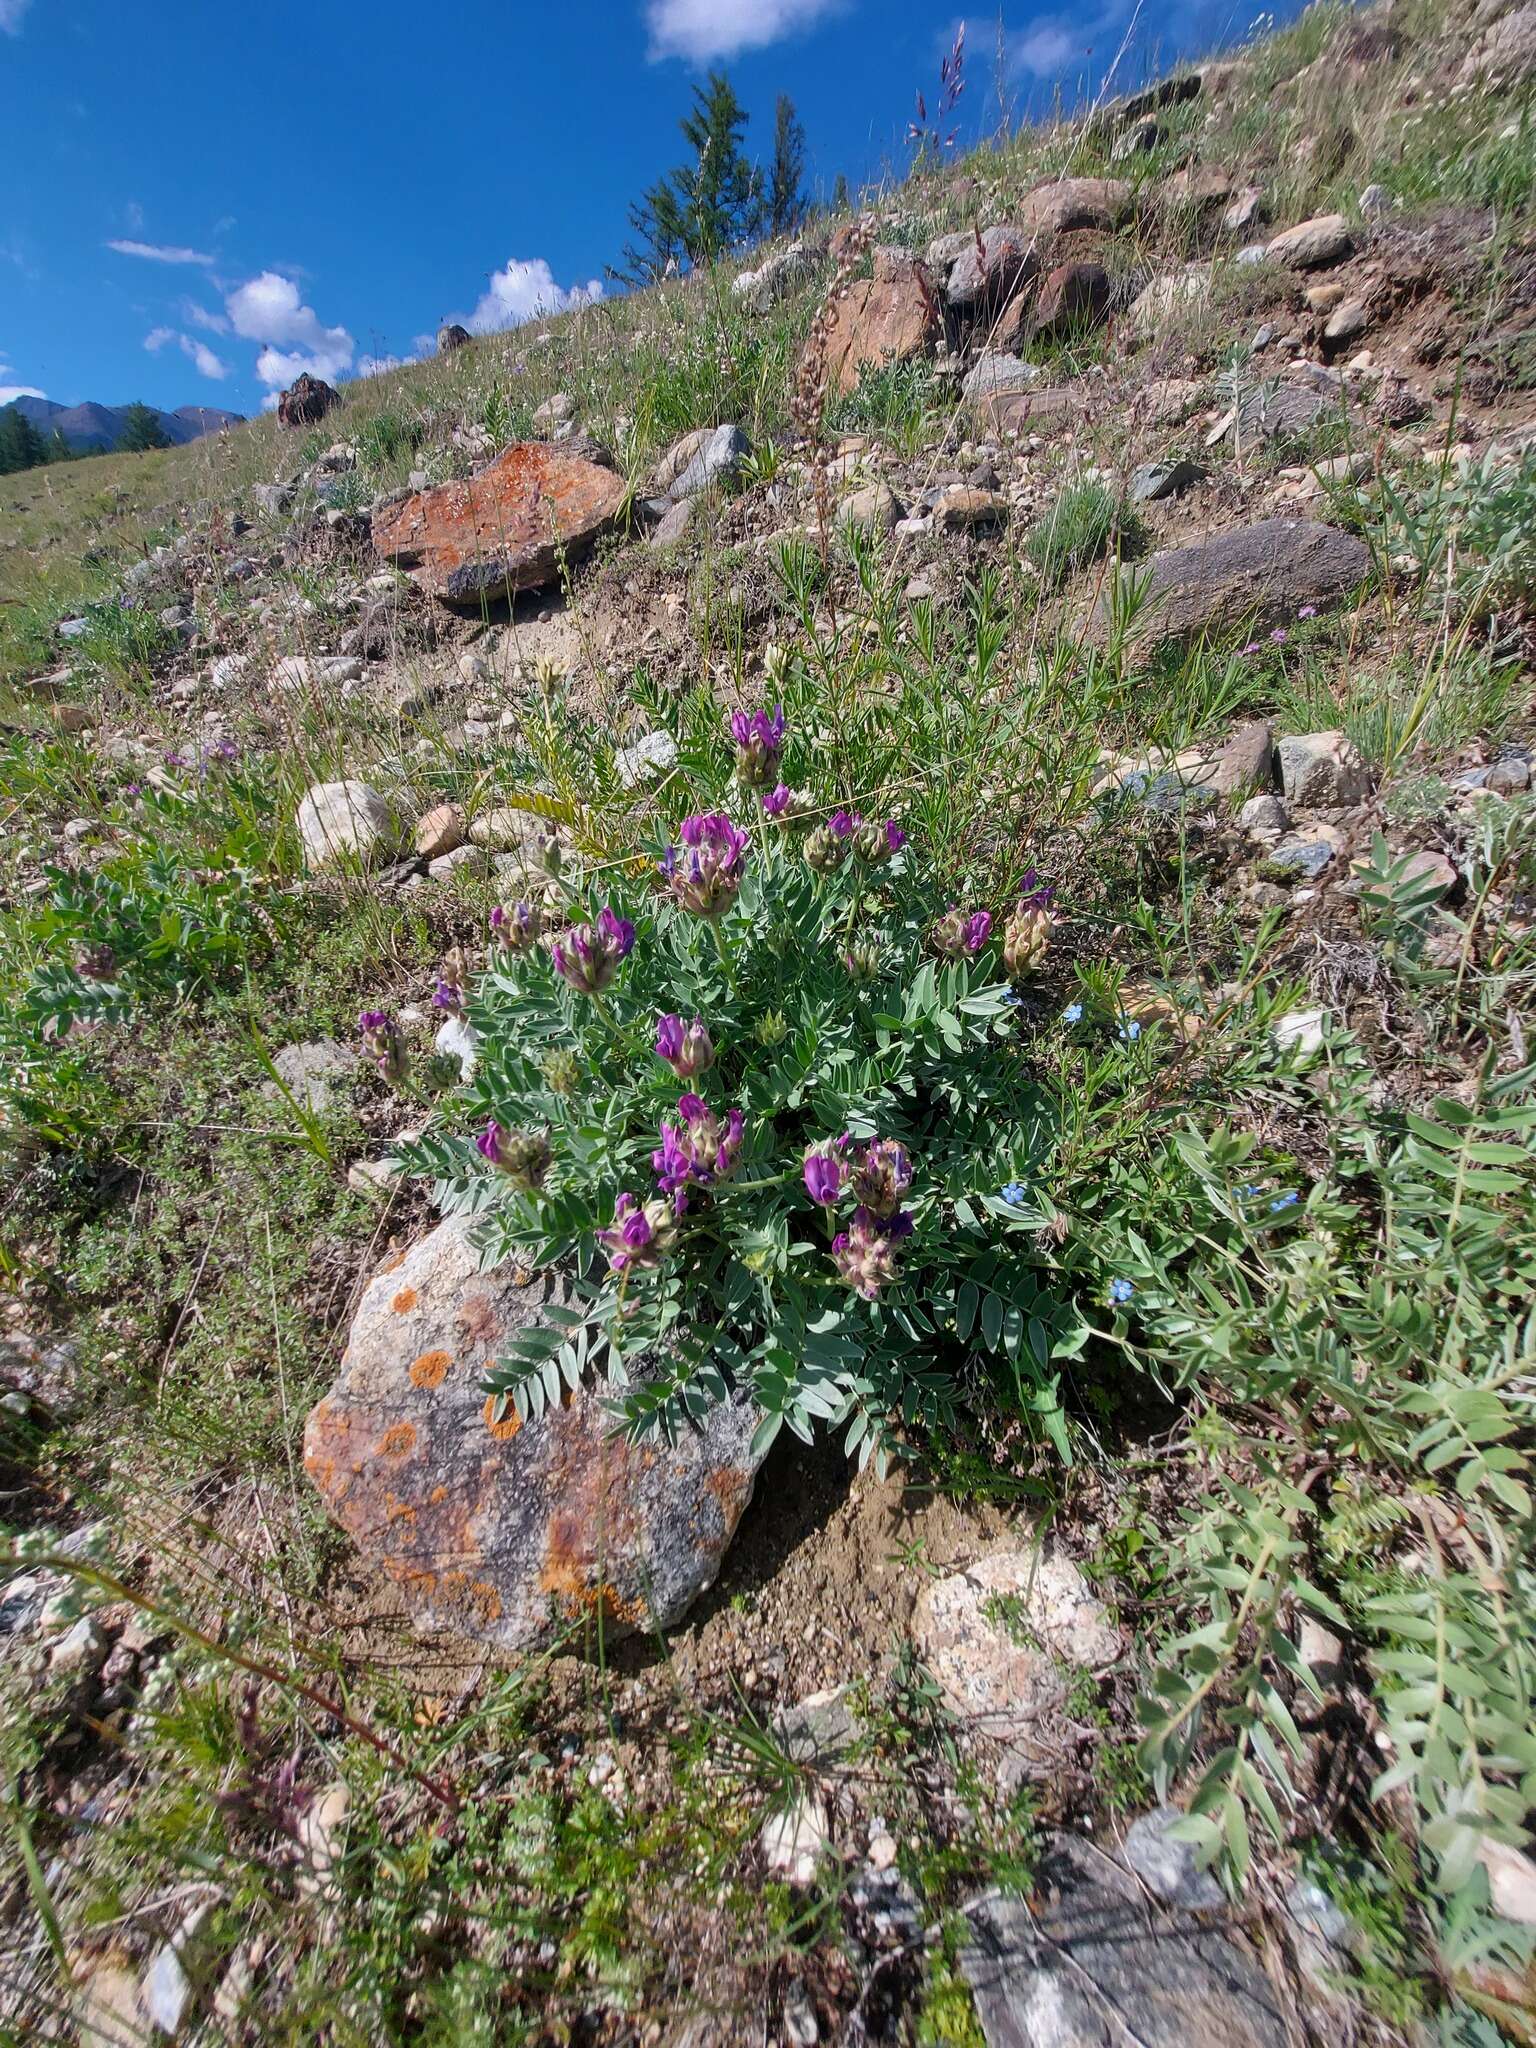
(777, 800)
(706, 874)
(759, 739)
(639, 1235)
(588, 955)
(877, 1175)
(845, 832)
(699, 1152)
(687, 1048)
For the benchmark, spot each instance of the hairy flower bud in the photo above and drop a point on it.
(562, 1072)
(1026, 939)
(865, 1253)
(825, 850)
(862, 959)
(957, 934)
(523, 1156)
(771, 1028)
(882, 1173)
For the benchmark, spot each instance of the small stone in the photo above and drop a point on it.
(346, 821)
(1312, 244)
(82, 1650)
(717, 461)
(873, 510)
(440, 830)
(963, 508)
(882, 1852)
(507, 829)
(1301, 1031)
(1168, 1867)
(1432, 870)
(1298, 859)
(321, 1831)
(673, 523)
(1321, 1650)
(307, 1072)
(652, 755)
(995, 373)
(1374, 202)
(458, 1040)
(1155, 481)
(169, 1986)
(1322, 771)
(1245, 209)
(793, 1843)
(1511, 1881)
(464, 860)
(1346, 321)
(1312, 1909)
(800, 2027)
(1508, 776)
(1264, 816)
(556, 411)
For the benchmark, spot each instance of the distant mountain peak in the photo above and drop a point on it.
(90, 425)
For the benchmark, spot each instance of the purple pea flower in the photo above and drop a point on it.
(895, 838)
(706, 875)
(824, 1170)
(687, 1049)
(523, 1157)
(1279, 636)
(448, 997)
(1308, 611)
(776, 802)
(588, 955)
(956, 934)
(382, 1043)
(843, 824)
(759, 739)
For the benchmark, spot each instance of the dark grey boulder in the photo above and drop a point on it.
(1257, 576)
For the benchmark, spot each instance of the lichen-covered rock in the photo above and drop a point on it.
(1312, 243)
(510, 1532)
(1263, 573)
(1067, 203)
(505, 530)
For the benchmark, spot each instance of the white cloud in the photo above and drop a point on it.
(523, 290)
(701, 30)
(10, 391)
(1046, 49)
(11, 12)
(268, 309)
(207, 362)
(211, 323)
(156, 252)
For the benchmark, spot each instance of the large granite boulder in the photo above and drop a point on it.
(1258, 575)
(1062, 204)
(505, 530)
(502, 1531)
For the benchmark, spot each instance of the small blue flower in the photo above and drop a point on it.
(1247, 1192)
(1120, 1290)
(1130, 1030)
(1285, 1201)
(1014, 1193)
(1072, 1014)
(1013, 997)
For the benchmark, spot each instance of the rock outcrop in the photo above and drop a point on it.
(1261, 574)
(880, 321)
(306, 401)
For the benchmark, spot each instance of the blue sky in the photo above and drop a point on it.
(198, 198)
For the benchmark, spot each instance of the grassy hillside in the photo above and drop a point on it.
(1184, 1349)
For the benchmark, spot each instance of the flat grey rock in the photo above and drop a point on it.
(1094, 1967)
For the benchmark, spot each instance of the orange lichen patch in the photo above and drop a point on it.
(476, 1597)
(431, 1368)
(730, 1487)
(437, 1496)
(404, 1301)
(400, 1511)
(509, 1424)
(399, 1438)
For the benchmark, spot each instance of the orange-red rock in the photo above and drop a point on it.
(506, 529)
(881, 320)
(1073, 295)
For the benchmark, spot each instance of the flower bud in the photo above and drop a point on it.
(96, 963)
(588, 955)
(862, 959)
(825, 851)
(1026, 939)
(687, 1049)
(640, 1235)
(518, 929)
(523, 1156)
(562, 1072)
(957, 934)
(383, 1044)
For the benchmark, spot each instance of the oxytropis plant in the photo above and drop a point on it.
(761, 1103)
